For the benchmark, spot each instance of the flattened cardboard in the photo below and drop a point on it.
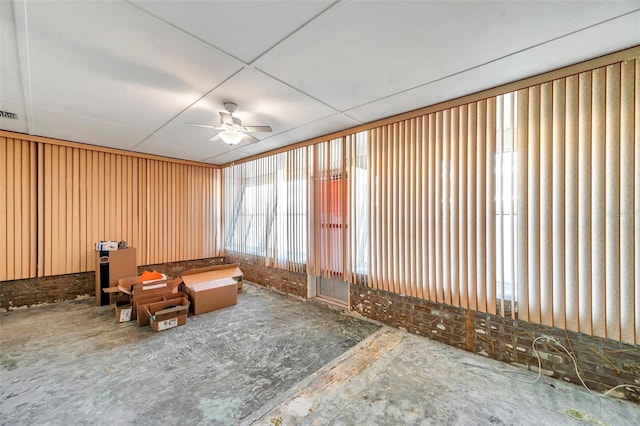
(110, 267)
(131, 286)
(212, 273)
(207, 296)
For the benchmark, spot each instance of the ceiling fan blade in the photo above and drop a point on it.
(258, 128)
(215, 138)
(250, 138)
(201, 125)
(226, 118)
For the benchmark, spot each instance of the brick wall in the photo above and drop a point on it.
(33, 291)
(253, 270)
(603, 363)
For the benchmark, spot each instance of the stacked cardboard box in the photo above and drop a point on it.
(131, 295)
(164, 303)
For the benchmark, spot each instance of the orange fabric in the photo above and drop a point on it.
(148, 276)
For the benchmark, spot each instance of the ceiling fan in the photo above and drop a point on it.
(231, 129)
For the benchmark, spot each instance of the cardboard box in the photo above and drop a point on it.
(110, 267)
(123, 309)
(217, 272)
(136, 291)
(107, 245)
(207, 296)
(142, 316)
(167, 314)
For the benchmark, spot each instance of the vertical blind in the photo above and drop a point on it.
(579, 243)
(329, 207)
(57, 201)
(432, 206)
(18, 207)
(521, 204)
(265, 209)
(524, 204)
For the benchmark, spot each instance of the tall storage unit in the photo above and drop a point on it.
(111, 265)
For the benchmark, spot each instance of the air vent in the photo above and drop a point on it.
(11, 115)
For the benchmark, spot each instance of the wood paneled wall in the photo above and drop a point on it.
(58, 200)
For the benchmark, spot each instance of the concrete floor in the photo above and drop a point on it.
(270, 360)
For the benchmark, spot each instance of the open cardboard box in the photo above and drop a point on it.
(142, 316)
(123, 308)
(167, 314)
(135, 291)
(217, 272)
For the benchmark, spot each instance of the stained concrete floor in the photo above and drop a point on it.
(270, 360)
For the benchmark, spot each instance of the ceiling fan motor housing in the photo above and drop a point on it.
(230, 107)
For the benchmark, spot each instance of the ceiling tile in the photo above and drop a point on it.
(244, 29)
(185, 142)
(116, 63)
(229, 156)
(308, 131)
(81, 129)
(577, 47)
(359, 52)
(10, 78)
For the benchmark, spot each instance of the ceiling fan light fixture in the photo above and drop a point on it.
(231, 137)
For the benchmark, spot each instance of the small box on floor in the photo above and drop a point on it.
(167, 314)
(123, 308)
(142, 317)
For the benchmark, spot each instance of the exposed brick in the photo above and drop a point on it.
(253, 269)
(33, 291)
(603, 363)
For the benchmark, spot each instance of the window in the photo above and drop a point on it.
(266, 209)
(506, 214)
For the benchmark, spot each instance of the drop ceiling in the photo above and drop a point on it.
(132, 74)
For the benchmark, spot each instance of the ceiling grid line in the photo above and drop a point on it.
(22, 39)
(491, 61)
(131, 74)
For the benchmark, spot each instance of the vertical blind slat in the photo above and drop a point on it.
(481, 209)
(558, 141)
(431, 167)
(445, 203)
(490, 206)
(471, 207)
(627, 151)
(454, 217)
(462, 210)
(598, 214)
(584, 203)
(612, 201)
(533, 204)
(546, 204)
(522, 208)
(571, 235)
(636, 218)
